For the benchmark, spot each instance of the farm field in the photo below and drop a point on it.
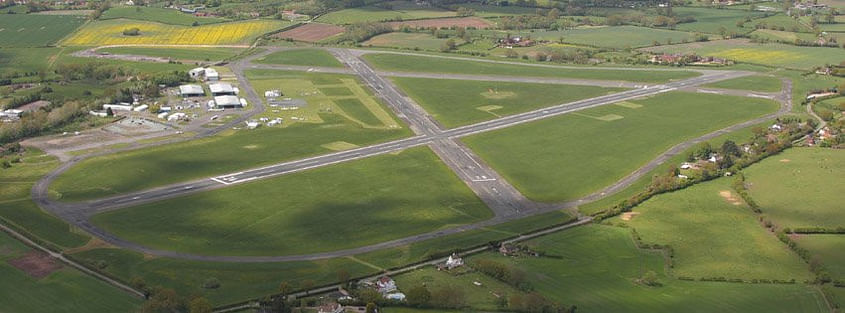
(243, 148)
(484, 10)
(422, 41)
(711, 215)
(771, 54)
(110, 32)
(459, 103)
(311, 32)
(401, 10)
(412, 191)
(412, 63)
(43, 285)
(210, 54)
(618, 37)
(830, 249)
(800, 187)
(753, 83)
(25, 59)
(478, 297)
(712, 20)
(238, 281)
(475, 22)
(21, 212)
(781, 20)
(27, 30)
(160, 15)
(307, 57)
(784, 36)
(559, 168)
(596, 266)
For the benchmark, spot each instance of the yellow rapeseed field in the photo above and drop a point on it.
(759, 55)
(110, 32)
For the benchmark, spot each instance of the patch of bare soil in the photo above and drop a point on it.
(36, 264)
(730, 197)
(627, 216)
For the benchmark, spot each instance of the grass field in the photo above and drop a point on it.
(401, 10)
(788, 23)
(598, 265)
(17, 208)
(800, 187)
(753, 83)
(110, 32)
(25, 59)
(238, 281)
(210, 54)
(784, 36)
(458, 103)
(771, 54)
(478, 297)
(572, 155)
(25, 30)
(423, 41)
(64, 290)
(715, 234)
(619, 37)
(830, 249)
(408, 63)
(711, 20)
(484, 10)
(307, 57)
(164, 16)
(343, 206)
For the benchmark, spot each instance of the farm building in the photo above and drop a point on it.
(118, 107)
(222, 89)
(227, 102)
(206, 73)
(385, 285)
(191, 91)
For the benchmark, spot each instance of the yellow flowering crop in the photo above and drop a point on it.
(110, 32)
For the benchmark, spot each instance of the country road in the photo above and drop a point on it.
(503, 199)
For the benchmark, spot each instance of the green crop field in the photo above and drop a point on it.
(614, 36)
(63, 290)
(199, 54)
(715, 234)
(238, 281)
(596, 266)
(156, 166)
(166, 16)
(408, 40)
(712, 20)
(306, 57)
(365, 202)
(27, 30)
(18, 208)
(753, 83)
(569, 156)
(23, 60)
(830, 249)
(771, 54)
(781, 20)
(401, 10)
(783, 36)
(459, 102)
(408, 63)
(484, 10)
(800, 187)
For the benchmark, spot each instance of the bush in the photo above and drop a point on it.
(211, 283)
(131, 31)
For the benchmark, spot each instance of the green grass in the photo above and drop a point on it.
(715, 234)
(788, 23)
(457, 102)
(830, 249)
(344, 206)
(800, 187)
(782, 36)
(211, 54)
(166, 16)
(65, 290)
(711, 20)
(753, 83)
(478, 297)
(25, 30)
(402, 10)
(238, 281)
(483, 10)
(423, 41)
(22, 60)
(619, 37)
(599, 264)
(357, 110)
(770, 54)
(569, 156)
(17, 208)
(306, 57)
(407, 63)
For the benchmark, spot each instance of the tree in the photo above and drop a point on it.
(164, 301)
(200, 305)
(553, 14)
(418, 296)
(371, 308)
(109, 112)
(730, 148)
(343, 276)
(284, 289)
(449, 297)
(307, 285)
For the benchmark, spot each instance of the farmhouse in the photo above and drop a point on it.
(191, 91)
(452, 262)
(222, 89)
(227, 102)
(385, 285)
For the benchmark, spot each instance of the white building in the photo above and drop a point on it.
(227, 102)
(385, 285)
(141, 108)
(252, 124)
(98, 113)
(12, 113)
(163, 115)
(454, 261)
(191, 91)
(211, 75)
(398, 296)
(222, 89)
(118, 107)
(176, 116)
